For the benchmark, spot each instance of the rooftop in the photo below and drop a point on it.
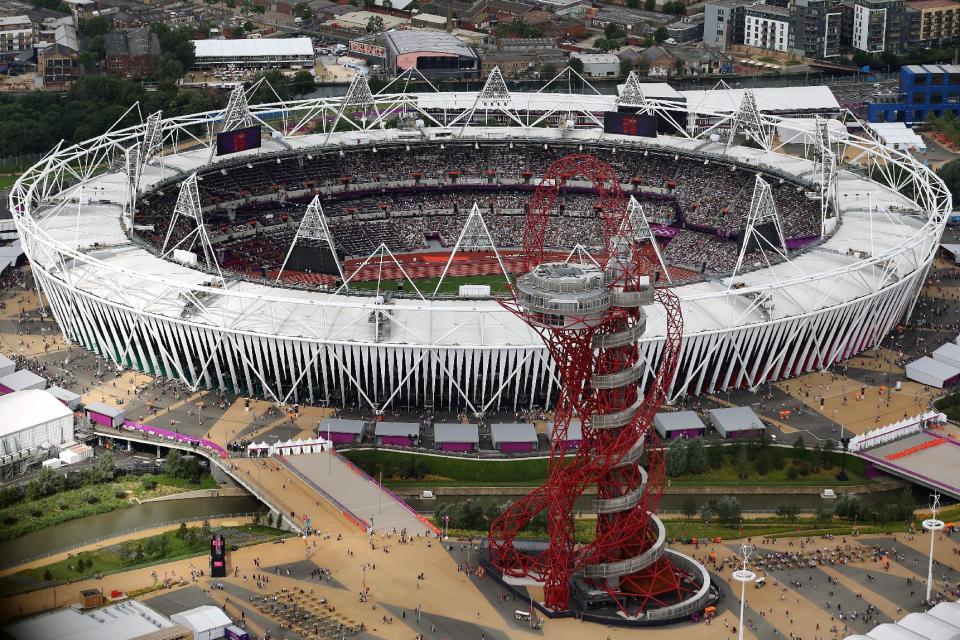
(121, 621)
(9, 21)
(770, 10)
(24, 409)
(411, 429)
(443, 432)
(597, 58)
(341, 425)
(21, 380)
(414, 40)
(513, 432)
(253, 47)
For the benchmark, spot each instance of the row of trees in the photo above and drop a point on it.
(693, 457)
(47, 483)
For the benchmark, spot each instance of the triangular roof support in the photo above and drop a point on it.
(748, 121)
(632, 94)
(642, 232)
(382, 254)
(494, 96)
(473, 237)
(313, 226)
(358, 96)
(763, 210)
(188, 206)
(237, 112)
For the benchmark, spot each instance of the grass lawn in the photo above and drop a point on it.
(7, 180)
(28, 516)
(467, 472)
(134, 554)
(427, 285)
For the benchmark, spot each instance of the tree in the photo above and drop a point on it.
(689, 507)
(676, 458)
(375, 24)
(816, 457)
(633, 4)
(799, 447)
(302, 11)
(105, 467)
(205, 527)
(950, 174)
(715, 455)
(96, 26)
(614, 31)
(236, 32)
(649, 5)
(728, 510)
(743, 465)
(625, 66)
(47, 576)
(660, 35)
(849, 506)
(576, 64)
(706, 512)
(46, 483)
(178, 43)
(182, 531)
(303, 83)
(696, 456)
(828, 447)
(788, 512)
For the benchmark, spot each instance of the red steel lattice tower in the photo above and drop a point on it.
(590, 316)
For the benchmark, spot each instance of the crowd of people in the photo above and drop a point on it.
(414, 198)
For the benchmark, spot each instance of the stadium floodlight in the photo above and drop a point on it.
(358, 98)
(188, 206)
(825, 167)
(237, 113)
(475, 236)
(313, 226)
(494, 96)
(933, 525)
(133, 167)
(632, 94)
(763, 210)
(152, 136)
(640, 232)
(747, 120)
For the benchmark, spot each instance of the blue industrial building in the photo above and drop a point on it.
(924, 90)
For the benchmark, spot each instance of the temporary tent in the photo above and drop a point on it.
(7, 366)
(514, 437)
(104, 414)
(207, 622)
(68, 398)
(342, 431)
(401, 434)
(933, 373)
(22, 380)
(736, 422)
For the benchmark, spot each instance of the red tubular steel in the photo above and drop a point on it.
(624, 534)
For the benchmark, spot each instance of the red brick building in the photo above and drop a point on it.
(132, 54)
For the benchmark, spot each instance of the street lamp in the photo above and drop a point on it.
(743, 576)
(446, 526)
(932, 525)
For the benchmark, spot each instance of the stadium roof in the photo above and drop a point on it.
(411, 429)
(341, 425)
(23, 379)
(253, 48)
(123, 621)
(24, 409)
(667, 421)
(513, 432)
(444, 432)
(416, 40)
(769, 99)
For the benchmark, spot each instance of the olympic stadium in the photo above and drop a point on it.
(350, 250)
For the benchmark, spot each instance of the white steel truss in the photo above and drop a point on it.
(313, 226)
(237, 113)
(188, 206)
(152, 137)
(359, 98)
(641, 232)
(494, 96)
(632, 94)
(763, 210)
(747, 121)
(827, 171)
(134, 165)
(474, 236)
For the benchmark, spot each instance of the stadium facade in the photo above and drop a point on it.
(75, 211)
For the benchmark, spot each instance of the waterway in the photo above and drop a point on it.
(749, 503)
(77, 532)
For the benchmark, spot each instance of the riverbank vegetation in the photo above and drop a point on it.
(714, 518)
(50, 498)
(185, 542)
(689, 463)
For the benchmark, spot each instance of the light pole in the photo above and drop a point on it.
(933, 525)
(743, 576)
(446, 526)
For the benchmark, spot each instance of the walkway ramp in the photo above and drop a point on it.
(926, 458)
(356, 494)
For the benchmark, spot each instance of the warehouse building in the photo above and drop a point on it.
(456, 437)
(258, 53)
(435, 54)
(342, 431)
(514, 437)
(736, 422)
(398, 434)
(32, 419)
(679, 424)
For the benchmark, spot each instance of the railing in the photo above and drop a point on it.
(621, 338)
(631, 565)
(349, 515)
(616, 419)
(618, 379)
(620, 503)
(691, 605)
(15, 562)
